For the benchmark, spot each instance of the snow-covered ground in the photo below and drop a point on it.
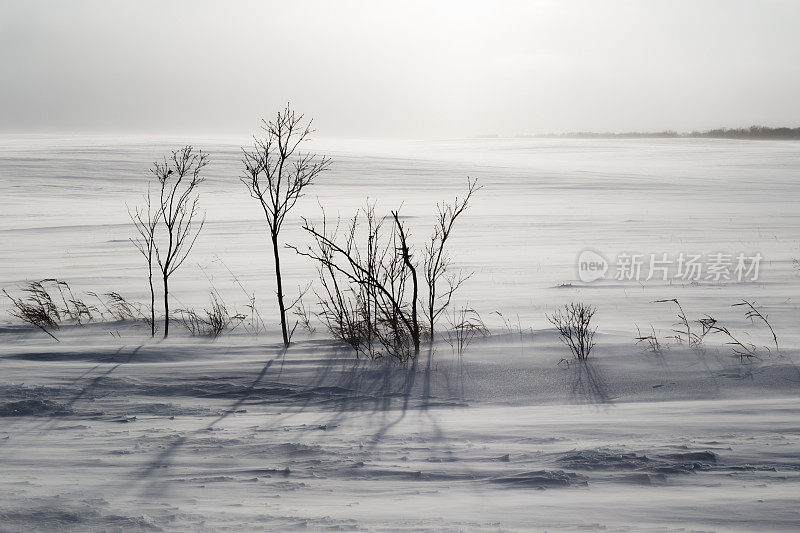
(109, 430)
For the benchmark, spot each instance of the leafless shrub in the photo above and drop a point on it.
(405, 255)
(211, 321)
(465, 325)
(371, 293)
(651, 340)
(574, 324)
(192, 321)
(365, 297)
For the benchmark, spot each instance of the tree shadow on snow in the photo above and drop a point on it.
(588, 385)
(341, 385)
(165, 458)
(66, 410)
(344, 385)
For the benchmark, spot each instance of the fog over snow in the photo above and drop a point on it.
(398, 69)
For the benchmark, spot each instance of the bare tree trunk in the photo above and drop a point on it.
(276, 172)
(414, 281)
(415, 293)
(166, 306)
(175, 217)
(431, 305)
(281, 305)
(146, 223)
(152, 304)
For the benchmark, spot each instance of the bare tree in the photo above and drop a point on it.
(406, 255)
(276, 172)
(436, 260)
(177, 212)
(145, 219)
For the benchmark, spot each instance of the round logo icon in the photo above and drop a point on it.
(591, 266)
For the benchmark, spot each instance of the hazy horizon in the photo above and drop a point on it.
(397, 70)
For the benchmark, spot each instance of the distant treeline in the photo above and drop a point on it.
(753, 132)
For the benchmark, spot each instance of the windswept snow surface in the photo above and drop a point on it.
(108, 430)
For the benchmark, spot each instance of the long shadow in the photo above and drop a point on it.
(427, 394)
(66, 411)
(794, 366)
(165, 458)
(457, 387)
(424, 406)
(245, 395)
(344, 384)
(587, 383)
(701, 354)
(341, 386)
(404, 407)
(343, 374)
(434, 429)
(94, 382)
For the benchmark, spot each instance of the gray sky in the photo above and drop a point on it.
(398, 69)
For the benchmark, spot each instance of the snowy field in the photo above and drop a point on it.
(109, 430)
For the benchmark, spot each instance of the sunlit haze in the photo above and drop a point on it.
(398, 69)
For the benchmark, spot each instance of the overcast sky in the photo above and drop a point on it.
(404, 69)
